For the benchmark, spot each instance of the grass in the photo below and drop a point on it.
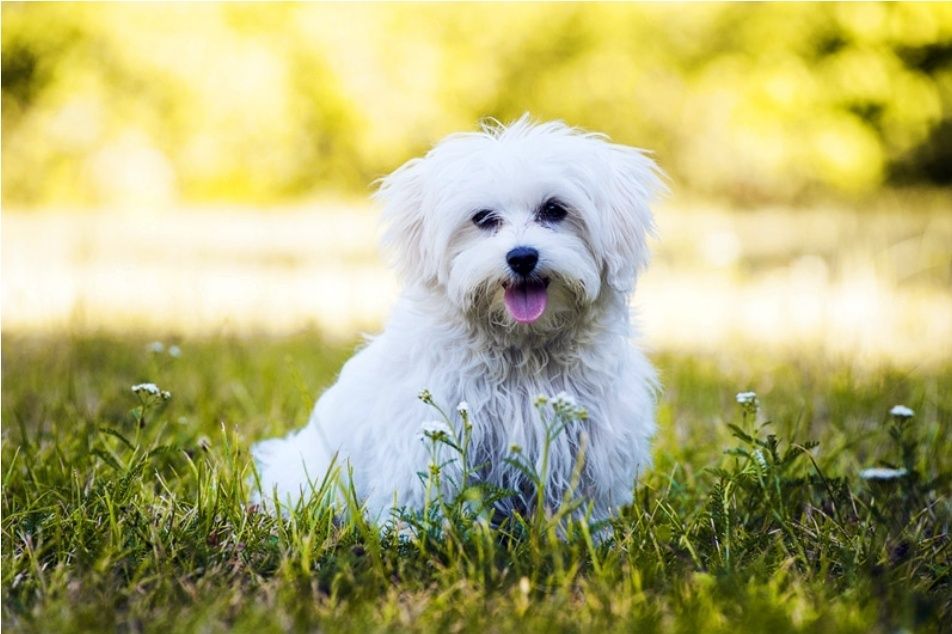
(119, 518)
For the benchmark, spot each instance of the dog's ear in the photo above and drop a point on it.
(402, 196)
(632, 183)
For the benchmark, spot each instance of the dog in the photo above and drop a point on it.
(518, 247)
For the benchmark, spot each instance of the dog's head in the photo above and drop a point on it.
(521, 226)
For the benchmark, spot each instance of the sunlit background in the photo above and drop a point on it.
(196, 169)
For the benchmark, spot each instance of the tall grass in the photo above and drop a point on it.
(125, 511)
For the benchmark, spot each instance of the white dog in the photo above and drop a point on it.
(519, 248)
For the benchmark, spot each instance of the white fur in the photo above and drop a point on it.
(450, 332)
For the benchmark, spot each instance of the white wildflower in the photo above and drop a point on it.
(901, 411)
(425, 396)
(564, 404)
(157, 347)
(564, 399)
(435, 426)
(463, 409)
(882, 473)
(151, 389)
(746, 398)
(147, 388)
(759, 457)
(540, 400)
(434, 430)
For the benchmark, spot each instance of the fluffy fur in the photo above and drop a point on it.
(451, 333)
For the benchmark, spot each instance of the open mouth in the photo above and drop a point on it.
(526, 299)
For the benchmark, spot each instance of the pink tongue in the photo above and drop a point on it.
(526, 302)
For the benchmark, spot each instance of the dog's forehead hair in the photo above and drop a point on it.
(490, 177)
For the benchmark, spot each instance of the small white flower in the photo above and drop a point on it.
(463, 408)
(564, 404)
(152, 390)
(435, 426)
(745, 398)
(564, 399)
(157, 347)
(147, 388)
(882, 473)
(433, 430)
(901, 411)
(425, 396)
(759, 457)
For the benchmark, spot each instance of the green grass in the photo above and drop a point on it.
(112, 525)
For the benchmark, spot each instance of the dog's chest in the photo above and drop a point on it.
(506, 409)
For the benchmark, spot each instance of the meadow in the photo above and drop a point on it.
(127, 512)
(198, 174)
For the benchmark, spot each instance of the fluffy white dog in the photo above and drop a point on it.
(519, 247)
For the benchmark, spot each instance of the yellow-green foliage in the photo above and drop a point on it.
(106, 103)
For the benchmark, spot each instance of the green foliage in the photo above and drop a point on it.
(119, 103)
(130, 514)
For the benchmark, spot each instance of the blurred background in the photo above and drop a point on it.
(196, 169)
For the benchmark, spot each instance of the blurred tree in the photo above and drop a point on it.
(147, 104)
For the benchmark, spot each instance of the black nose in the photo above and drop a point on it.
(522, 260)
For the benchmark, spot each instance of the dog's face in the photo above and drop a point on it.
(521, 227)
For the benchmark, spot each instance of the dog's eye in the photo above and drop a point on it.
(486, 219)
(551, 212)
